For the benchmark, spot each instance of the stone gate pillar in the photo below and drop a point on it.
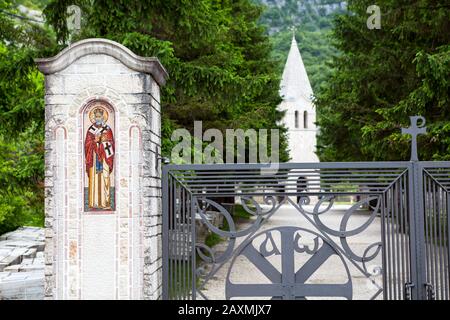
(102, 172)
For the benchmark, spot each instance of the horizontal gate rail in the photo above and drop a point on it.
(373, 177)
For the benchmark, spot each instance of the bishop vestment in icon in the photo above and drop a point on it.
(99, 157)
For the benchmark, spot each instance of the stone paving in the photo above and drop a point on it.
(22, 264)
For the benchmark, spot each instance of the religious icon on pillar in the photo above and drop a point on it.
(99, 151)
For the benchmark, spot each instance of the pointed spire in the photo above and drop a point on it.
(293, 29)
(295, 82)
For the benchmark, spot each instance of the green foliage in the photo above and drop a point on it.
(216, 53)
(240, 213)
(21, 180)
(21, 121)
(383, 76)
(212, 239)
(33, 4)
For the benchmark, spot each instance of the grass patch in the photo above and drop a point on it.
(212, 239)
(238, 214)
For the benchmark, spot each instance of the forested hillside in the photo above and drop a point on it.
(312, 20)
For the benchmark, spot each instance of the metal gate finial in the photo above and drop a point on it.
(414, 130)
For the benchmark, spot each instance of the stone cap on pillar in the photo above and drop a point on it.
(149, 65)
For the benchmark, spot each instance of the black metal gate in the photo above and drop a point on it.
(363, 230)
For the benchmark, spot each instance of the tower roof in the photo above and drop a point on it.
(295, 82)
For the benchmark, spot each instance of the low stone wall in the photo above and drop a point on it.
(22, 264)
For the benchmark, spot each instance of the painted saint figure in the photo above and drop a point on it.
(99, 153)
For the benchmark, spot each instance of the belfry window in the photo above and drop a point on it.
(296, 119)
(305, 119)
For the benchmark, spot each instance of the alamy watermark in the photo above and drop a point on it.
(374, 21)
(238, 146)
(74, 18)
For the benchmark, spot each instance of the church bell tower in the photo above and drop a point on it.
(300, 116)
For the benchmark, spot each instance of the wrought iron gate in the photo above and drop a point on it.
(303, 242)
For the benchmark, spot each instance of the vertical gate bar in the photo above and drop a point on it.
(287, 265)
(402, 234)
(415, 191)
(180, 244)
(183, 251)
(392, 234)
(177, 232)
(438, 246)
(419, 199)
(193, 255)
(441, 260)
(441, 257)
(447, 242)
(408, 228)
(429, 209)
(388, 259)
(384, 247)
(394, 244)
(165, 235)
(172, 240)
(434, 236)
(185, 247)
(445, 247)
(388, 247)
(188, 248)
(391, 246)
(444, 243)
(190, 245)
(428, 230)
(397, 239)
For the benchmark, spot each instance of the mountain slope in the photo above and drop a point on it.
(312, 20)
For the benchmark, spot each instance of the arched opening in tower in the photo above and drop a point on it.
(305, 119)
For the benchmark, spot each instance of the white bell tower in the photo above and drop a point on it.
(300, 116)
